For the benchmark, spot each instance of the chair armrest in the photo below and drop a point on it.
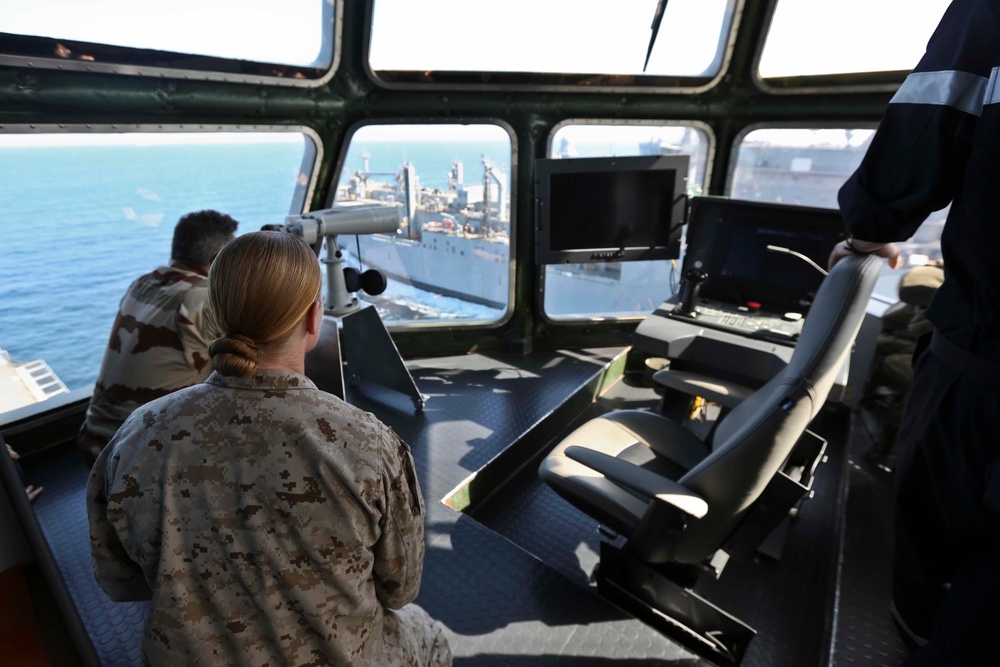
(725, 393)
(641, 480)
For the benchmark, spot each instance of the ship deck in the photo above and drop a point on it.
(510, 575)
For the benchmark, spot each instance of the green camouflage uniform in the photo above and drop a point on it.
(158, 344)
(270, 523)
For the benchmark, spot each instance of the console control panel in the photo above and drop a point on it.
(745, 320)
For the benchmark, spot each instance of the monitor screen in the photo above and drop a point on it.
(609, 209)
(729, 239)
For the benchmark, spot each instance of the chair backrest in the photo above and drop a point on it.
(752, 442)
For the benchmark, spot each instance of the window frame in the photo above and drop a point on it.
(78, 398)
(847, 82)
(33, 52)
(711, 142)
(551, 82)
(784, 125)
(336, 174)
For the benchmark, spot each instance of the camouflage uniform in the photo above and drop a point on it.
(270, 523)
(158, 344)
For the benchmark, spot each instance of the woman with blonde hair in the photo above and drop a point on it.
(268, 522)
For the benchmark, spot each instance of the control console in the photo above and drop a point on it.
(744, 320)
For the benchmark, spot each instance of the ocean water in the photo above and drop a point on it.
(79, 223)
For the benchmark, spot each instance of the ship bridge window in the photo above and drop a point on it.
(449, 262)
(87, 213)
(557, 43)
(238, 40)
(807, 166)
(621, 289)
(809, 39)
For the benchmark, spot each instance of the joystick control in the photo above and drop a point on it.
(693, 278)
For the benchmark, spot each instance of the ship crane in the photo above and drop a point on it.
(365, 172)
(363, 177)
(406, 183)
(491, 172)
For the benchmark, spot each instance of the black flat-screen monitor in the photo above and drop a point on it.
(609, 209)
(729, 238)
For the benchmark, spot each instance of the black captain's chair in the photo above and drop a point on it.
(678, 501)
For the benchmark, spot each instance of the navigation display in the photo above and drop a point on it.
(729, 239)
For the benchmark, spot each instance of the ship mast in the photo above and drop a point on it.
(491, 173)
(486, 197)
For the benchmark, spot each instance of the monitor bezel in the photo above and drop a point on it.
(706, 247)
(545, 168)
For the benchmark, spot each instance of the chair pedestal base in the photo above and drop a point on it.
(672, 609)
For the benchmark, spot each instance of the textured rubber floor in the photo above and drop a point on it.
(500, 605)
(864, 631)
(115, 628)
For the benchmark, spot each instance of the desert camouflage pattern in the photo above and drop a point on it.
(158, 344)
(269, 523)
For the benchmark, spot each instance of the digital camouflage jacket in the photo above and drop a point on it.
(270, 523)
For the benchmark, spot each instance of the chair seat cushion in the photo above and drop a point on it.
(648, 440)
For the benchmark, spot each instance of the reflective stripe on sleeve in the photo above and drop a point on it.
(992, 89)
(960, 90)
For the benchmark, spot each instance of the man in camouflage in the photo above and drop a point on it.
(160, 338)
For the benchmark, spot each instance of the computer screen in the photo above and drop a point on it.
(609, 209)
(729, 239)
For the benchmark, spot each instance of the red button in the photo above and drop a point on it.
(753, 305)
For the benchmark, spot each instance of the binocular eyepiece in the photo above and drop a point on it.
(371, 281)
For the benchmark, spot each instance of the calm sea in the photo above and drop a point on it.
(79, 223)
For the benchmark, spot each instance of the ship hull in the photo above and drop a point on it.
(469, 267)
(476, 269)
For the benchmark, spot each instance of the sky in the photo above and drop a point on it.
(825, 36)
(561, 36)
(282, 31)
(449, 132)
(146, 138)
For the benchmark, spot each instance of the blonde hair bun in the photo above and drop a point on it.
(262, 285)
(234, 355)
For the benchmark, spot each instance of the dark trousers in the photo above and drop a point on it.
(946, 568)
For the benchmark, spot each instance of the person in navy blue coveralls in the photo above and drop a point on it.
(939, 143)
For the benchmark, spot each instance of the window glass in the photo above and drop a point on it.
(808, 167)
(292, 32)
(450, 258)
(807, 37)
(620, 289)
(550, 36)
(86, 214)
